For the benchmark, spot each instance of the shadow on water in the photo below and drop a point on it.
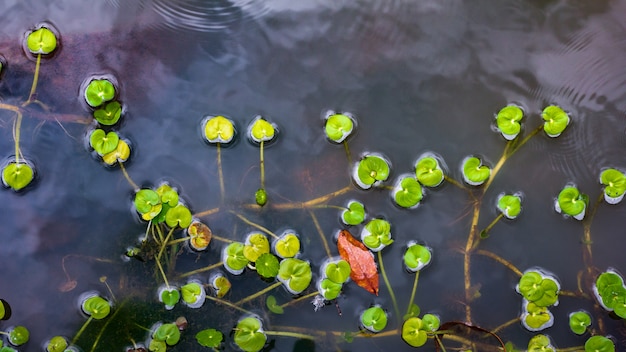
(419, 76)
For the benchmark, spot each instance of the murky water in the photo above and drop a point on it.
(419, 76)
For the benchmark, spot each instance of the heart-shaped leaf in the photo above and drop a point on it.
(376, 234)
(413, 333)
(428, 171)
(41, 41)
(579, 322)
(530, 285)
(510, 205)
(169, 333)
(178, 216)
(338, 271)
(261, 130)
(56, 344)
(18, 335)
(271, 304)
(256, 245)
(295, 274)
(17, 175)
(408, 192)
(110, 114)
(540, 343)
(571, 202)
(614, 182)
(145, 199)
(210, 338)
(474, 172)
(374, 319)
(287, 245)
(193, 294)
(199, 235)
(249, 335)
(103, 143)
(599, 343)
(417, 257)
(508, 120)
(169, 297)
(536, 318)
(220, 285)
(355, 214)
(556, 120)
(430, 322)
(219, 129)
(120, 154)
(234, 259)
(329, 290)
(370, 170)
(96, 306)
(98, 92)
(338, 127)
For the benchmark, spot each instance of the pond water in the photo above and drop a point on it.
(417, 75)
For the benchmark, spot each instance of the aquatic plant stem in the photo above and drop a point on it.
(207, 212)
(313, 202)
(262, 166)
(299, 299)
(82, 329)
(201, 270)
(321, 233)
(469, 246)
(484, 233)
(260, 293)
(219, 171)
(389, 288)
(226, 303)
(106, 324)
(415, 280)
(244, 219)
(157, 259)
(505, 325)
(127, 177)
(347, 149)
(33, 87)
(290, 334)
(500, 260)
(16, 136)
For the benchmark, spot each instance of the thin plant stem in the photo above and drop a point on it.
(313, 202)
(299, 299)
(103, 279)
(260, 293)
(290, 334)
(244, 219)
(207, 212)
(33, 87)
(500, 260)
(9, 107)
(439, 343)
(505, 325)
(109, 320)
(262, 166)
(82, 329)
(417, 275)
(160, 233)
(347, 149)
(158, 262)
(321, 233)
(226, 303)
(460, 186)
(201, 270)
(16, 136)
(164, 244)
(219, 171)
(485, 232)
(127, 177)
(467, 260)
(389, 288)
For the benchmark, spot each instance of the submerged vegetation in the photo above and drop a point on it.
(174, 231)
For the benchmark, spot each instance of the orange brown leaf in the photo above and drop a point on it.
(364, 271)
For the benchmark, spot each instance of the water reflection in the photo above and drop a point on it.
(425, 77)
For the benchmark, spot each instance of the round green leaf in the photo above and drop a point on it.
(508, 120)
(97, 307)
(417, 257)
(18, 335)
(271, 304)
(338, 127)
(614, 183)
(168, 195)
(17, 175)
(329, 289)
(428, 171)
(234, 259)
(474, 173)
(374, 319)
(109, 114)
(157, 346)
(540, 343)
(287, 246)
(355, 214)
(169, 297)
(430, 322)
(579, 322)
(210, 338)
(295, 274)
(371, 169)
(530, 285)
(256, 244)
(267, 265)
(555, 120)
(178, 216)
(413, 332)
(599, 343)
(376, 234)
(261, 130)
(249, 335)
(193, 294)
(408, 192)
(338, 272)
(103, 143)
(98, 92)
(510, 205)
(536, 318)
(571, 202)
(219, 129)
(145, 200)
(41, 41)
(56, 344)
(168, 333)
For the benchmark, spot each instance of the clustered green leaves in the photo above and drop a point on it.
(334, 273)
(415, 331)
(611, 292)
(540, 290)
(416, 257)
(162, 205)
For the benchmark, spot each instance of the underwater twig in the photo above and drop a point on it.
(16, 135)
(290, 334)
(467, 259)
(312, 202)
(127, 176)
(260, 293)
(207, 212)
(321, 233)
(299, 299)
(226, 303)
(500, 260)
(244, 219)
(201, 270)
(389, 288)
(505, 325)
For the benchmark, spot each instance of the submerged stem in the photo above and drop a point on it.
(417, 275)
(321, 233)
(226, 303)
(500, 260)
(201, 270)
(347, 149)
(207, 212)
(299, 299)
(290, 334)
(313, 202)
(33, 87)
(484, 233)
(262, 166)
(16, 136)
(389, 288)
(82, 329)
(253, 224)
(263, 291)
(219, 171)
(127, 176)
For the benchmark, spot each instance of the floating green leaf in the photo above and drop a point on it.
(210, 338)
(413, 311)
(329, 289)
(413, 332)
(428, 171)
(579, 322)
(374, 319)
(261, 130)
(510, 205)
(614, 182)
(41, 41)
(266, 265)
(219, 129)
(169, 297)
(376, 234)
(148, 203)
(338, 271)
(56, 344)
(109, 114)
(287, 246)
(540, 343)
(271, 304)
(98, 92)
(370, 170)
(103, 143)
(599, 343)
(120, 154)
(535, 318)
(221, 285)
(5, 310)
(256, 244)
(193, 294)
(416, 257)
(556, 120)
(408, 192)
(97, 307)
(571, 202)
(508, 121)
(338, 127)
(168, 195)
(178, 216)
(295, 274)
(157, 346)
(430, 322)
(474, 172)
(234, 259)
(249, 335)
(355, 214)
(19, 335)
(168, 333)
(17, 175)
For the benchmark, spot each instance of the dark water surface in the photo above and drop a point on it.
(418, 75)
